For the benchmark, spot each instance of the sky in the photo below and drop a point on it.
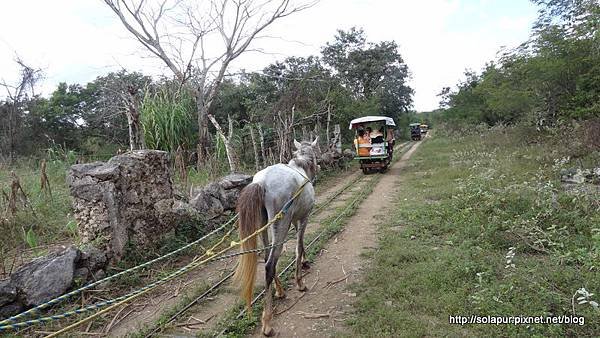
(75, 41)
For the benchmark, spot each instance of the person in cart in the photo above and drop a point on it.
(362, 143)
(377, 136)
(372, 145)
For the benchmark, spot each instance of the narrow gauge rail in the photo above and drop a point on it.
(215, 287)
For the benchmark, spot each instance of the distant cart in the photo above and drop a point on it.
(415, 131)
(374, 150)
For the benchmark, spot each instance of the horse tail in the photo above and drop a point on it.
(250, 207)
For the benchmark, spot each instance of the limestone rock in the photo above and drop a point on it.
(176, 211)
(208, 201)
(235, 181)
(46, 277)
(114, 201)
(8, 292)
(10, 309)
(92, 258)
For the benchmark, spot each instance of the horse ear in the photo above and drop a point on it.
(314, 143)
(297, 145)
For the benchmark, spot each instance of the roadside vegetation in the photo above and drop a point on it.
(260, 114)
(483, 225)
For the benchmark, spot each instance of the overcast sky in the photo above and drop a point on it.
(77, 40)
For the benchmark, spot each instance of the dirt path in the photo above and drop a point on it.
(326, 305)
(147, 310)
(210, 312)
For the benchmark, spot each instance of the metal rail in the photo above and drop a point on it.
(219, 283)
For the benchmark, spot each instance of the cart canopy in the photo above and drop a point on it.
(368, 119)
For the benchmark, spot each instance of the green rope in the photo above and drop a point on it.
(36, 310)
(12, 324)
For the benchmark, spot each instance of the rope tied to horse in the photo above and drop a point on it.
(209, 255)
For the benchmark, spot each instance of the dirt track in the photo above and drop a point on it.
(341, 258)
(326, 305)
(147, 310)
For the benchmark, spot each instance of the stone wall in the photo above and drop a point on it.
(115, 202)
(128, 200)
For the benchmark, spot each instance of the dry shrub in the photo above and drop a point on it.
(592, 134)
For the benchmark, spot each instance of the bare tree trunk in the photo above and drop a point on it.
(136, 136)
(255, 148)
(202, 147)
(262, 145)
(315, 132)
(231, 155)
(328, 122)
(337, 139)
(12, 109)
(286, 133)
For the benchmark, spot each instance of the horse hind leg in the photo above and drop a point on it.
(265, 234)
(279, 234)
(300, 255)
(279, 290)
(265, 240)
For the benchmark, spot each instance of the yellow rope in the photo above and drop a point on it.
(209, 254)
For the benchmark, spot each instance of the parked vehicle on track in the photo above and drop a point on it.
(374, 142)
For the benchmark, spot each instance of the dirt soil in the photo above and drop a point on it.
(340, 259)
(328, 302)
(204, 316)
(147, 310)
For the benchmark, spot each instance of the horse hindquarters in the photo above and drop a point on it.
(251, 211)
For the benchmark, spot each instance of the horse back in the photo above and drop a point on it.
(280, 183)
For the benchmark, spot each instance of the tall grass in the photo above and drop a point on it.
(44, 220)
(483, 226)
(168, 119)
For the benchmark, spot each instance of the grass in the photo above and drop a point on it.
(238, 327)
(464, 202)
(43, 221)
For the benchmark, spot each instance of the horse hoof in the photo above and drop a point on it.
(302, 288)
(268, 332)
(305, 265)
(280, 295)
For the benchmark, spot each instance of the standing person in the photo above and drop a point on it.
(362, 139)
(390, 139)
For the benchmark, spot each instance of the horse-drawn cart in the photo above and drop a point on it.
(373, 142)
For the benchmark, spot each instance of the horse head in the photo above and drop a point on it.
(305, 157)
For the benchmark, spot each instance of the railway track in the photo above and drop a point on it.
(342, 195)
(334, 201)
(214, 288)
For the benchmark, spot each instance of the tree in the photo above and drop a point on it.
(113, 105)
(178, 32)
(14, 107)
(551, 77)
(370, 70)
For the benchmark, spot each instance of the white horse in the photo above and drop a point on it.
(260, 202)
